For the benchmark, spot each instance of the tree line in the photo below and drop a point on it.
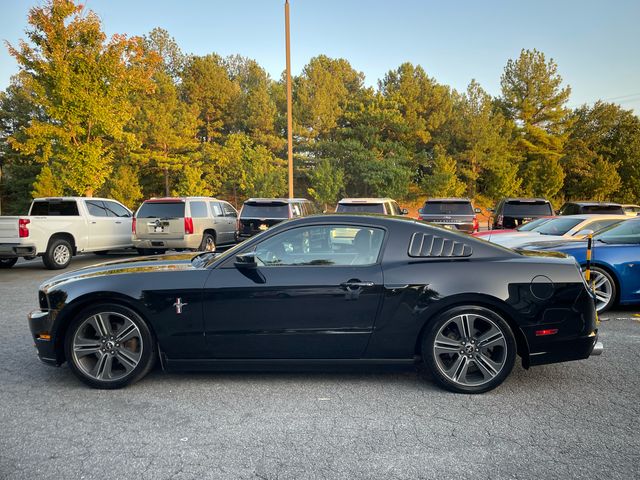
(135, 117)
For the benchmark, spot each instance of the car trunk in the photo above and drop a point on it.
(448, 214)
(161, 221)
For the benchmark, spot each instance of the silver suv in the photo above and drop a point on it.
(187, 223)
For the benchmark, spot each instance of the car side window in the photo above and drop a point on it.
(96, 208)
(600, 224)
(295, 208)
(216, 209)
(199, 209)
(229, 211)
(115, 209)
(321, 245)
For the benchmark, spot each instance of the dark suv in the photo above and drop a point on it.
(258, 214)
(453, 213)
(512, 212)
(579, 208)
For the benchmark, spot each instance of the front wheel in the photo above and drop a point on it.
(604, 287)
(109, 346)
(8, 262)
(469, 349)
(58, 254)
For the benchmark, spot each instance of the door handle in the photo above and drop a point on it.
(118, 222)
(352, 285)
(93, 223)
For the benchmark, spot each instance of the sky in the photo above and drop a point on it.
(594, 43)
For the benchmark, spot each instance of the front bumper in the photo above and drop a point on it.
(40, 324)
(13, 250)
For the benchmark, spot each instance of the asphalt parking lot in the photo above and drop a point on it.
(572, 420)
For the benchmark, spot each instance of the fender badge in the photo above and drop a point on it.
(179, 305)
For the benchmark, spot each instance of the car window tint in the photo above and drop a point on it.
(447, 208)
(265, 210)
(216, 209)
(229, 211)
(55, 208)
(603, 209)
(155, 209)
(199, 210)
(526, 209)
(321, 245)
(558, 226)
(360, 208)
(600, 224)
(115, 209)
(626, 232)
(96, 208)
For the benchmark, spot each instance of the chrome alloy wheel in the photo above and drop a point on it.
(61, 254)
(107, 346)
(470, 350)
(210, 244)
(603, 289)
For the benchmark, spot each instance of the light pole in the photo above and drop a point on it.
(289, 116)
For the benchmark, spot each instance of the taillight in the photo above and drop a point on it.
(476, 226)
(23, 230)
(188, 225)
(133, 225)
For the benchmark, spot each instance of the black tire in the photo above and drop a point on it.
(101, 253)
(144, 347)
(603, 305)
(478, 368)
(8, 262)
(208, 243)
(58, 254)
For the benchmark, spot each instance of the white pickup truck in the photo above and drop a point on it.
(60, 227)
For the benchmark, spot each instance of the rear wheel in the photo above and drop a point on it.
(109, 346)
(58, 254)
(8, 262)
(208, 243)
(469, 349)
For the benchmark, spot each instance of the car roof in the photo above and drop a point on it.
(523, 199)
(627, 205)
(366, 200)
(179, 199)
(448, 199)
(43, 199)
(592, 203)
(272, 200)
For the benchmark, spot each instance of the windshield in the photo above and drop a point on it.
(265, 210)
(527, 227)
(626, 232)
(607, 209)
(527, 209)
(447, 208)
(161, 210)
(360, 208)
(557, 226)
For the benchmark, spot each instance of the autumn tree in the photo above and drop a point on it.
(82, 82)
(533, 96)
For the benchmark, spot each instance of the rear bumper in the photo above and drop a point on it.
(13, 250)
(189, 241)
(40, 323)
(462, 227)
(568, 350)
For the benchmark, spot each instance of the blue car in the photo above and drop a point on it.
(615, 261)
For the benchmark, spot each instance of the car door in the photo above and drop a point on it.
(121, 218)
(314, 293)
(100, 225)
(231, 222)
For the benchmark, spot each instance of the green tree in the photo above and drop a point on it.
(191, 183)
(533, 96)
(46, 184)
(123, 185)
(326, 182)
(207, 86)
(164, 45)
(82, 83)
(442, 180)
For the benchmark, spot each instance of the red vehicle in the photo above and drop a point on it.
(522, 228)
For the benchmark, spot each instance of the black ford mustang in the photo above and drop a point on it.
(317, 291)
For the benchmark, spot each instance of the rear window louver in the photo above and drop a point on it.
(425, 245)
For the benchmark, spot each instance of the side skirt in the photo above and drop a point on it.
(286, 364)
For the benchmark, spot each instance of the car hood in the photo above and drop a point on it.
(156, 263)
(506, 239)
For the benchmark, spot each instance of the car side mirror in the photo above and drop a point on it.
(477, 210)
(246, 261)
(404, 211)
(420, 211)
(584, 233)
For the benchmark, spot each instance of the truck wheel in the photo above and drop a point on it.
(58, 254)
(7, 262)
